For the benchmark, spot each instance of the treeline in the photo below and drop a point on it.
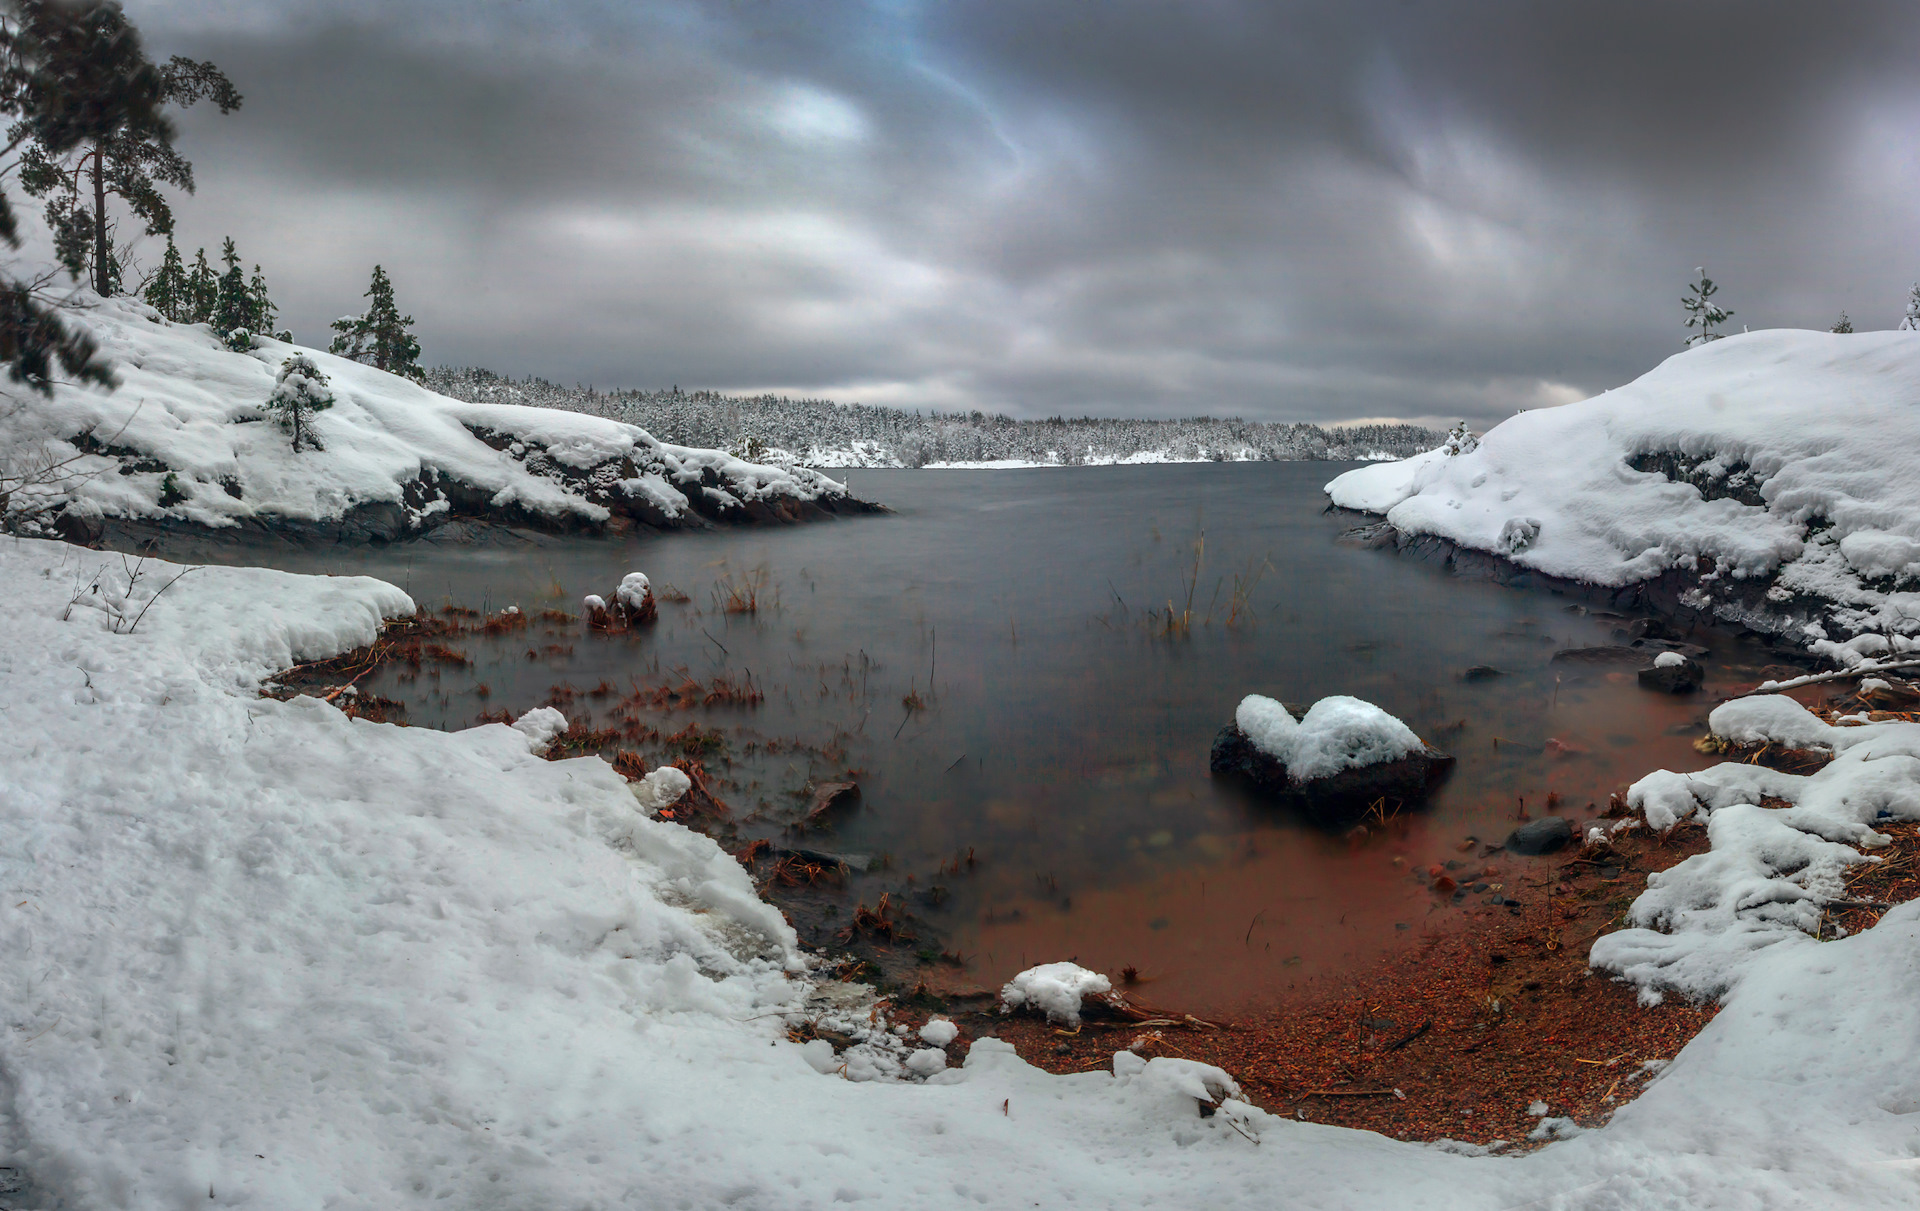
(819, 430)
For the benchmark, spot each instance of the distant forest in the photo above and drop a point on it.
(824, 433)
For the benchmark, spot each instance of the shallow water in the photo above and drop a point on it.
(1064, 736)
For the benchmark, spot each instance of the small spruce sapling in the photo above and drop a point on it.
(299, 392)
(1843, 324)
(1460, 440)
(1702, 312)
(232, 302)
(203, 289)
(1912, 321)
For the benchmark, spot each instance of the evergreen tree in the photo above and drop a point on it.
(299, 391)
(261, 310)
(203, 289)
(171, 291)
(1702, 312)
(1843, 324)
(380, 337)
(94, 127)
(54, 97)
(232, 301)
(1912, 321)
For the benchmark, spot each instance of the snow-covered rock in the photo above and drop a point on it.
(1778, 472)
(185, 439)
(1771, 870)
(1055, 989)
(1340, 756)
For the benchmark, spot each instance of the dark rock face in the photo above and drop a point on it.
(1543, 836)
(1682, 678)
(1600, 655)
(1338, 798)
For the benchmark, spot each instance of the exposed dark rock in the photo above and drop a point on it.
(1482, 672)
(1543, 836)
(1616, 654)
(1380, 534)
(1338, 798)
(830, 795)
(1682, 678)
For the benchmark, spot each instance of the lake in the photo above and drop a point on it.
(996, 664)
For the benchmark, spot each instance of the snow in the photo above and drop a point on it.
(938, 1032)
(1336, 733)
(634, 590)
(1770, 871)
(257, 950)
(188, 402)
(1667, 660)
(660, 788)
(1825, 428)
(541, 726)
(1055, 989)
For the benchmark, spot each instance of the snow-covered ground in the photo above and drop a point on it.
(185, 438)
(258, 953)
(1780, 469)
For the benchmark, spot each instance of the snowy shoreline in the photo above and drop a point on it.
(1770, 475)
(185, 445)
(262, 950)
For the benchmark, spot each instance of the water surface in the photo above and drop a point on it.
(993, 662)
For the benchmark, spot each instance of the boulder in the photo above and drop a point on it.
(1338, 798)
(1672, 673)
(1482, 672)
(1543, 836)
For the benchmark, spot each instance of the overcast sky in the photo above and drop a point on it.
(1286, 211)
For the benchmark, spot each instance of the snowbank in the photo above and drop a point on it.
(185, 439)
(1771, 871)
(1780, 470)
(257, 953)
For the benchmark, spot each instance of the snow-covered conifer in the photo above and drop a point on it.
(299, 391)
(1460, 440)
(380, 337)
(1843, 324)
(1702, 312)
(171, 292)
(203, 289)
(232, 301)
(260, 308)
(1912, 321)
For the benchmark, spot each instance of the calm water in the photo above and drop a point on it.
(1064, 738)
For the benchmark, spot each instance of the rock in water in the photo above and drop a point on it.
(1543, 836)
(1336, 791)
(1672, 673)
(1482, 672)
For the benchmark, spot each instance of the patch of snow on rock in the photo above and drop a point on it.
(1056, 989)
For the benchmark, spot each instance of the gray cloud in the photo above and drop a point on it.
(1294, 211)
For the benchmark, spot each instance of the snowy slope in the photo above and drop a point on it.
(1781, 469)
(255, 953)
(397, 456)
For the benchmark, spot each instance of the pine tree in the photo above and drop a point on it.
(260, 309)
(1912, 321)
(94, 126)
(232, 302)
(299, 391)
(1843, 324)
(171, 292)
(1702, 312)
(380, 337)
(203, 289)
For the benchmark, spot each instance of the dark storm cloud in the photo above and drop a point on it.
(1290, 211)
